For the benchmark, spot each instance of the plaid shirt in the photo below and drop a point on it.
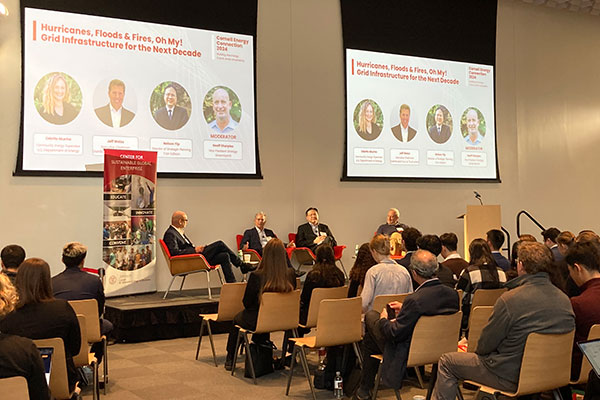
(479, 277)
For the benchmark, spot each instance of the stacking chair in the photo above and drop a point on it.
(316, 297)
(14, 388)
(59, 383)
(187, 264)
(546, 366)
(278, 312)
(338, 323)
(230, 303)
(89, 309)
(479, 318)
(380, 301)
(433, 336)
(585, 364)
(85, 358)
(486, 297)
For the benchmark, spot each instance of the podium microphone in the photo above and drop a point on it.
(478, 197)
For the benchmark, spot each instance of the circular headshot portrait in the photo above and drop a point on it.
(368, 119)
(170, 105)
(114, 103)
(439, 123)
(472, 126)
(403, 123)
(57, 97)
(222, 109)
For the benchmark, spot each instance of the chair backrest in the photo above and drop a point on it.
(278, 311)
(82, 358)
(89, 308)
(546, 363)
(338, 251)
(338, 322)
(292, 237)
(317, 296)
(461, 293)
(383, 299)
(254, 256)
(230, 301)
(238, 240)
(478, 318)
(298, 283)
(433, 336)
(14, 388)
(486, 297)
(183, 263)
(585, 364)
(59, 383)
(165, 251)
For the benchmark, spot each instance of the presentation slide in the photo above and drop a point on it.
(414, 117)
(93, 83)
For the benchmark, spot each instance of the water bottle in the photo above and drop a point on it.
(356, 250)
(322, 354)
(338, 386)
(241, 255)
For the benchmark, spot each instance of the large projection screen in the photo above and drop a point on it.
(95, 82)
(420, 90)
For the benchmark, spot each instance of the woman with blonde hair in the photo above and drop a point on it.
(56, 97)
(20, 356)
(367, 121)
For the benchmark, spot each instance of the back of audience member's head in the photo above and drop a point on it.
(431, 243)
(324, 269)
(550, 234)
(73, 254)
(588, 236)
(364, 261)
(514, 253)
(380, 244)
(424, 263)
(33, 282)
(565, 238)
(410, 236)
(274, 266)
(495, 237)
(324, 254)
(586, 255)
(8, 296)
(480, 253)
(526, 237)
(449, 241)
(535, 257)
(12, 256)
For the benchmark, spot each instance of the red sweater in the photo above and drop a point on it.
(586, 307)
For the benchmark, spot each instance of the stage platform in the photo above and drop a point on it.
(145, 317)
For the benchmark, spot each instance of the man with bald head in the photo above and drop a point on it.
(223, 123)
(391, 223)
(215, 253)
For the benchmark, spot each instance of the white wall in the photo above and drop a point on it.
(546, 81)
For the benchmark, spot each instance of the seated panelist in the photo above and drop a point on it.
(257, 237)
(312, 233)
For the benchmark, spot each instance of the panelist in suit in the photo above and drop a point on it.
(215, 253)
(171, 116)
(114, 114)
(257, 237)
(312, 233)
(403, 132)
(439, 132)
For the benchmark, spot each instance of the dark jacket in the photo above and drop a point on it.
(75, 284)
(251, 237)
(305, 236)
(177, 244)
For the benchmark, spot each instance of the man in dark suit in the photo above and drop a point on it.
(114, 114)
(312, 233)
(495, 239)
(257, 237)
(10, 258)
(550, 236)
(410, 236)
(402, 131)
(393, 337)
(76, 284)
(171, 116)
(439, 132)
(215, 253)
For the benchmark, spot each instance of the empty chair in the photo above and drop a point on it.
(486, 297)
(316, 297)
(479, 317)
(14, 388)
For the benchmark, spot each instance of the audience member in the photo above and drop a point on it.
(433, 244)
(482, 273)
(532, 304)
(526, 237)
(452, 259)
(495, 239)
(215, 253)
(40, 316)
(386, 277)
(391, 223)
(564, 241)
(588, 236)
(20, 356)
(410, 236)
(364, 261)
(550, 236)
(312, 233)
(272, 275)
(11, 257)
(392, 337)
(76, 284)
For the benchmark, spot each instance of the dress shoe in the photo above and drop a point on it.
(247, 267)
(228, 364)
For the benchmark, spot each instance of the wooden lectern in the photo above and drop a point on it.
(478, 221)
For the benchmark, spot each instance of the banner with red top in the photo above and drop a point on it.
(129, 223)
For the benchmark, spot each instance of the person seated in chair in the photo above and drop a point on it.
(312, 233)
(10, 258)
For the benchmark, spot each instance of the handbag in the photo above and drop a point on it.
(262, 359)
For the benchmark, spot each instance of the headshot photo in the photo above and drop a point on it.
(114, 114)
(368, 119)
(170, 105)
(57, 97)
(472, 126)
(222, 109)
(403, 131)
(439, 124)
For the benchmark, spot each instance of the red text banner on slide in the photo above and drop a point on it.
(129, 222)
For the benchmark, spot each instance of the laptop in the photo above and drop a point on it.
(46, 353)
(591, 351)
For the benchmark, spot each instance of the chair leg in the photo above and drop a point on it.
(249, 357)
(459, 394)
(343, 269)
(307, 371)
(96, 395)
(419, 378)
(292, 365)
(200, 337)
(432, 380)
(377, 379)
(237, 346)
(556, 394)
(169, 288)
(208, 284)
(397, 393)
(212, 344)
(105, 363)
(182, 282)
(358, 354)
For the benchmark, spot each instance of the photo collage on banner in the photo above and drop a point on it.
(129, 223)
